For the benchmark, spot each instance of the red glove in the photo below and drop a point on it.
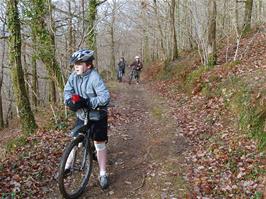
(75, 98)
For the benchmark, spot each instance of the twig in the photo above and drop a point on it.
(142, 183)
(139, 187)
(55, 118)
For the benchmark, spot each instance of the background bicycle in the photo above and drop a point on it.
(133, 76)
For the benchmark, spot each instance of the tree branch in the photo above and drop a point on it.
(100, 2)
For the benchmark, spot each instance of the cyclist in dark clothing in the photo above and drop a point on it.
(121, 68)
(136, 68)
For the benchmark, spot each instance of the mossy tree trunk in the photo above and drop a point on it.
(2, 124)
(91, 39)
(172, 16)
(14, 43)
(39, 11)
(212, 12)
(248, 14)
(91, 19)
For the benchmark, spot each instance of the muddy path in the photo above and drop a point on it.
(144, 149)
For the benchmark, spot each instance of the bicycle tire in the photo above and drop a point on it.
(130, 77)
(85, 180)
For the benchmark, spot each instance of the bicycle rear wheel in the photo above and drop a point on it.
(73, 183)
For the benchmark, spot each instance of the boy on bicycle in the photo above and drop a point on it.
(86, 89)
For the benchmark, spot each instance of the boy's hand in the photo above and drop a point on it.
(76, 99)
(76, 102)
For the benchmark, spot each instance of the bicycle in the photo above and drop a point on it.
(133, 74)
(84, 153)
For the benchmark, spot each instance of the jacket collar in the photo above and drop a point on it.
(85, 74)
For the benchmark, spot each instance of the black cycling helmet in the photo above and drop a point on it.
(82, 55)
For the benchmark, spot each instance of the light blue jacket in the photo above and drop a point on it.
(88, 85)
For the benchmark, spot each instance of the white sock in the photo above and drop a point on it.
(70, 158)
(102, 173)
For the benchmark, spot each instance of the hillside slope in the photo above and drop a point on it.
(222, 112)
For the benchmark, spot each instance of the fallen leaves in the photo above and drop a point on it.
(30, 169)
(222, 161)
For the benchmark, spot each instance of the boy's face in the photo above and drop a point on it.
(81, 68)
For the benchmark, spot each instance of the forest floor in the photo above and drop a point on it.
(144, 148)
(163, 143)
(158, 148)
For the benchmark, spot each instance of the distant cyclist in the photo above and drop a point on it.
(136, 69)
(121, 68)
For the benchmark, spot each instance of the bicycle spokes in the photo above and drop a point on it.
(80, 169)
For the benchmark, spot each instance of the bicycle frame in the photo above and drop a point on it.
(86, 131)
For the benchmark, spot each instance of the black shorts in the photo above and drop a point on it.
(99, 129)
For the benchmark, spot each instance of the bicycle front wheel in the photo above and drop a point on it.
(75, 168)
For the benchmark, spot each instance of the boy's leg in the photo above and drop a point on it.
(137, 76)
(101, 156)
(72, 153)
(100, 139)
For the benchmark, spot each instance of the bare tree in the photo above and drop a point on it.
(146, 51)
(112, 34)
(161, 46)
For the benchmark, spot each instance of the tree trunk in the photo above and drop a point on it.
(172, 15)
(112, 61)
(26, 72)
(146, 51)
(237, 17)
(91, 18)
(248, 14)
(260, 11)
(45, 39)
(1, 79)
(70, 39)
(212, 57)
(52, 91)
(22, 100)
(34, 82)
(92, 12)
(162, 48)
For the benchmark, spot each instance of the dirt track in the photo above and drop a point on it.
(144, 149)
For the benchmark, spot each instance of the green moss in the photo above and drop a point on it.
(16, 142)
(258, 195)
(194, 78)
(251, 115)
(157, 112)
